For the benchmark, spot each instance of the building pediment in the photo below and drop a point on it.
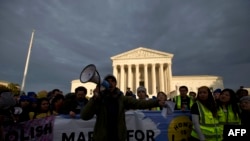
(142, 52)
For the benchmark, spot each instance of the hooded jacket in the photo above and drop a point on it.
(99, 107)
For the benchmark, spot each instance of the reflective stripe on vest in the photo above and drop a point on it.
(158, 108)
(191, 102)
(178, 102)
(208, 124)
(228, 117)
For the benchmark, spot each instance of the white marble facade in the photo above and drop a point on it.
(153, 70)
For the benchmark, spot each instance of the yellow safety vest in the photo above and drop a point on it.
(156, 109)
(228, 117)
(209, 125)
(178, 102)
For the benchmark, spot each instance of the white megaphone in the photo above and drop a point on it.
(90, 74)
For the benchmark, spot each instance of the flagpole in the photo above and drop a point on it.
(27, 63)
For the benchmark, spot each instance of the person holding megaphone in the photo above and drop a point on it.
(109, 104)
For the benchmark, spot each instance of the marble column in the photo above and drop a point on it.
(137, 75)
(153, 80)
(169, 75)
(130, 76)
(122, 78)
(162, 80)
(146, 76)
(115, 72)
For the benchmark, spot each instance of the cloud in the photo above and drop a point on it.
(205, 37)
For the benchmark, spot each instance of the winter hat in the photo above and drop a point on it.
(245, 98)
(42, 94)
(141, 88)
(31, 94)
(217, 91)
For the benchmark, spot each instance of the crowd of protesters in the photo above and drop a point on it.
(43, 103)
(226, 106)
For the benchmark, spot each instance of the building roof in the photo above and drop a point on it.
(141, 52)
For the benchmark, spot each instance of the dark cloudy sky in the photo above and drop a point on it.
(206, 37)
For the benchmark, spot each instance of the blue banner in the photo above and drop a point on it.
(141, 126)
(176, 127)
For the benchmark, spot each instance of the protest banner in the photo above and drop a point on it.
(141, 126)
(32, 130)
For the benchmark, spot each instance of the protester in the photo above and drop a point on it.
(142, 93)
(25, 104)
(205, 118)
(43, 109)
(192, 96)
(216, 94)
(229, 110)
(241, 92)
(183, 102)
(245, 108)
(130, 93)
(57, 103)
(33, 104)
(7, 101)
(109, 107)
(161, 96)
(75, 102)
(53, 93)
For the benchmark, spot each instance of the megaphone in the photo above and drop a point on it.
(90, 74)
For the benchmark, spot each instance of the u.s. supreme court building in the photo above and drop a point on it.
(153, 70)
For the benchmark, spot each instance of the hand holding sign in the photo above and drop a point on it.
(168, 108)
